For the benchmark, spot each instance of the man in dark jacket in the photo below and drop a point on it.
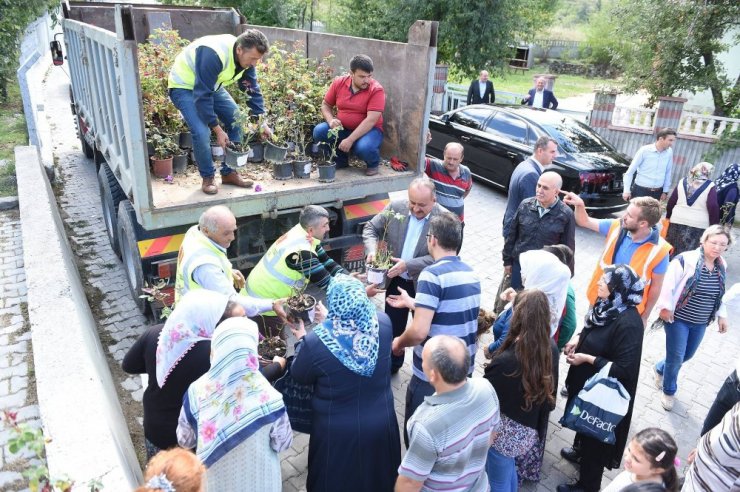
(539, 221)
(539, 97)
(481, 90)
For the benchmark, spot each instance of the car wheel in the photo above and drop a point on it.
(130, 256)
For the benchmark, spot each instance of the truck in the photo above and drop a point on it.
(146, 218)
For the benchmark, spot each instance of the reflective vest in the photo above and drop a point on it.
(182, 73)
(644, 260)
(196, 250)
(272, 278)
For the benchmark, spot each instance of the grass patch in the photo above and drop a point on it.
(13, 132)
(565, 85)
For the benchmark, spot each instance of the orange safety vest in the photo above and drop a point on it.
(644, 260)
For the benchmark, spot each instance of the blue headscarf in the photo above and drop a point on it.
(350, 330)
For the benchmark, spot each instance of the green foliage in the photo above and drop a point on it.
(672, 47)
(383, 257)
(15, 16)
(602, 38)
(472, 34)
(333, 135)
(12, 132)
(164, 145)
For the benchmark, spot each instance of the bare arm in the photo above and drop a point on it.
(417, 331)
(582, 218)
(327, 112)
(406, 484)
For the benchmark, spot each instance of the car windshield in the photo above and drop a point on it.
(575, 137)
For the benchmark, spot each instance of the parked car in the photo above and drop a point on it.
(497, 138)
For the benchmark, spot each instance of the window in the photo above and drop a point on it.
(471, 117)
(574, 137)
(507, 126)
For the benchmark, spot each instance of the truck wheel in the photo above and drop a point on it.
(86, 148)
(130, 253)
(111, 195)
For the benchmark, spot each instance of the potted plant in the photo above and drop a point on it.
(328, 169)
(300, 305)
(377, 270)
(276, 150)
(270, 347)
(238, 153)
(164, 150)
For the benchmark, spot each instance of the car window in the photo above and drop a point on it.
(574, 137)
(505, 125)
(471, 117)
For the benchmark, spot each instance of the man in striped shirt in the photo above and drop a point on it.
(447, 303)
(453, 429)
(452, 179)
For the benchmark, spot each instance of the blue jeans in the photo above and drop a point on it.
(367, 147)
(681, 341)
(224, 107)
(501, 472)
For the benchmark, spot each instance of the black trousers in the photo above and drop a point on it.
(399, 316)
(638, 190)
(592, 462)
(727, 396)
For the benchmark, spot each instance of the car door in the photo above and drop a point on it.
(466, 128)
(507, 144)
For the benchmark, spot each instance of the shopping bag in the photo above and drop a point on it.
(297, 399)
(500, 304)
(598, 408)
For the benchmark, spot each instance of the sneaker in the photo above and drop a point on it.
(564, 392)
(658, 378)
(667, 402)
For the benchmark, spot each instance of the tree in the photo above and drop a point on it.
(668, 47)
(15, 17)
(472, 34)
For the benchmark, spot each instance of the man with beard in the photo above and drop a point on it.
(633, 240)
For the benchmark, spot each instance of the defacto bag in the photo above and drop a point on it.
(598, 408)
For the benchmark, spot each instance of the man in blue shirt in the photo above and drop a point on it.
(651, 168)
(196, 86)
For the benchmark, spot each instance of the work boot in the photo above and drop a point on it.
(208, 186)
(236, 180)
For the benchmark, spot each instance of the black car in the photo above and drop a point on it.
(497, 138)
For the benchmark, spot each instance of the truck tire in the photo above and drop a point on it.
(130, 256)
(86, 148)
(111, 195)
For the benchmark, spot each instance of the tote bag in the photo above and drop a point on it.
(297, 398)
(598, 408)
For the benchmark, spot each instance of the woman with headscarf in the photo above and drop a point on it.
(728, 194)
(612, 334)
(233, 417)
(524, 373)
(355, 443)
(176, 353)
(692, 207)
(691, 294)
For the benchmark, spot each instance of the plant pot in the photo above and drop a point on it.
(270, 347)
(162, 167)
(304, 309)
(327, 172)
(186, 140)
(180, 163)
(302, 168)
(258, 153)
(149, 149)
(273, 153)
(217, 152)
(235, 158)
(377, 276)
(282, 170)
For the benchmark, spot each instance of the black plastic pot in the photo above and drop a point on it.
(258, 152)
(273, 153)
(186, 140)
(327, 172)
(302, 168)
(179, 163)
(306, 315)
(282, 170)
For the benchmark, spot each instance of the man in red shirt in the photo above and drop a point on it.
(359, 101)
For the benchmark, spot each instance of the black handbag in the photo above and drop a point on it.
(297, 398)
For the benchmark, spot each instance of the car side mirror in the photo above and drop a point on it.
(445, 118)
(56, 52)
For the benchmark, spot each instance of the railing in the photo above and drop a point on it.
(706, 125)
(633, 117)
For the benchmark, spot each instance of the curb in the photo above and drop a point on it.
(81, 415)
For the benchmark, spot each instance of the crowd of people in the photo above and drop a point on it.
(210, 391)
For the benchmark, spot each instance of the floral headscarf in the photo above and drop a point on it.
(698, 175)
(728, 177)
(193, 319)
(350, 330)
(544, 271)
(232, 400)
(625, 291)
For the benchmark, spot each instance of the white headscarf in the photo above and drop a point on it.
(544, 271)
(193, 319)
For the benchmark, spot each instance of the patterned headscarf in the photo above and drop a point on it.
(193, 320)
(625, 291)
(232, 400)
(728, 177)
(350, 330)
(697, 176)
(544, 271)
